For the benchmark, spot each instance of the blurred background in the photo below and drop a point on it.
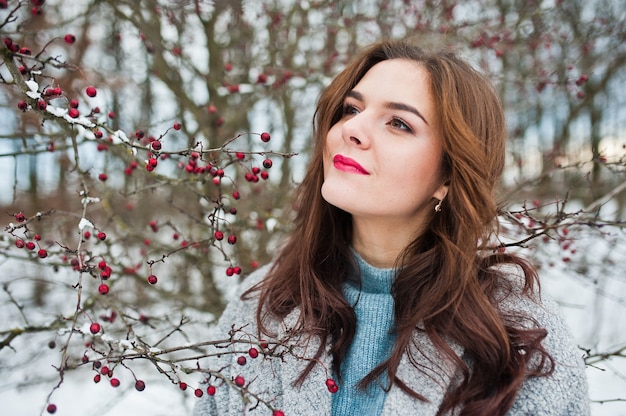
(209, 77)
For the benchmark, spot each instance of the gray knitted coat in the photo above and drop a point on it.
(564, 393)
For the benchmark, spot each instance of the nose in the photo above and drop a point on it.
(355, 131)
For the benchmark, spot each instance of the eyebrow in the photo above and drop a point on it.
(392, 105)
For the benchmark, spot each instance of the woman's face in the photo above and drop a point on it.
(383, 157)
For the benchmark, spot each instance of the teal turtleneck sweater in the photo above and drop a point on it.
(373, 304)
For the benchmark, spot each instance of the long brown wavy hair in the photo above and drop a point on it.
(447, 279)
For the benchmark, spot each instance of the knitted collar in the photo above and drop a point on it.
(373, 279)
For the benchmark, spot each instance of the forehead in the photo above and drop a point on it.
(397, 80)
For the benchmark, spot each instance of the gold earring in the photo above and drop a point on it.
(438, 206)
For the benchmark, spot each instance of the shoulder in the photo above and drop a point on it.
(267, 375)
(565, 391)
(239, 308)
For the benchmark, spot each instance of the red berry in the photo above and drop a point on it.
(152, 279)
(253, 352)
(237, 270)
(210, 390)
(332, 385)
(156, 145)
(74, 104)
(265, 136)
(52, 408)
(91, 91)
(230, 271)
(20, 243)
(103, 177)
(240, 381)
(140, 385)
(96, 378)
(177, 126)
(278, 413)
(218, 235)
(102, 236)
(182, 385)
(30, 245)
(228, 66)
(69, 38)
(94, 328)
(267, 163)
(232, 239)
(22, 105)
(103, 289)
(115, 382)
(106, 273)
(241, 360)
(264, 175)
(198, 392)
(42, 253)
(236, 195)
(111, 114)
(72, 112)
(42, 105)
(19, 217)
(261, 78)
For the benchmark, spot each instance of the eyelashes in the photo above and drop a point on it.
(349, 110)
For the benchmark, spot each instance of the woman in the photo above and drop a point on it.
(386, 298)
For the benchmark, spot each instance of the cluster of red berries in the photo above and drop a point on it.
(42, 253)
(15, 47)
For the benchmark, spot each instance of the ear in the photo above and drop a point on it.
(441, 192)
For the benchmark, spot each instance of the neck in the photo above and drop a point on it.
(380, 243)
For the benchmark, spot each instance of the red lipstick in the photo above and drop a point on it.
(345, 164)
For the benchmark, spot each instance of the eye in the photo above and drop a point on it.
(350, 110)
(397, 123)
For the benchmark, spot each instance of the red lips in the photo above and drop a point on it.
(345, 164)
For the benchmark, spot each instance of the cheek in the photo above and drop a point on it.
(332, 139)
(416, 167)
